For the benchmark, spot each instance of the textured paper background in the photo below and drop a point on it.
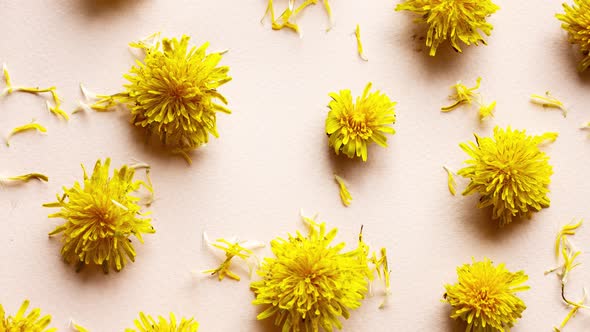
(272, 158)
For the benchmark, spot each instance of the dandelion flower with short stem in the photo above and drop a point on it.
(33, 322)
(576, 21)
(454, 20)
(352, 126)
(510, 173)
(173, 93)
(100, 216)
(485, 296)
(310, 283)
(147, 323)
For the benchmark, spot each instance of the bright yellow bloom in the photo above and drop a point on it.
(101, 215)
(33, 322)
(576, 21)
(147, 323)
(510, 173)
(352, 126)
(455, 20)
(310, 284)
(173, 93)
(484, 297)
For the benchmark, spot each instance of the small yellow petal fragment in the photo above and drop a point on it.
(345, 195)
(487, 110)
(7, 79)
(23, 128)
(549, 101)
(79, 328)
(26, 177)
(450, 181)
(359, 44)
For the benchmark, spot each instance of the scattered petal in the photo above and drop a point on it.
(450, 181)
(549, 101)
(359, 44)
(344, 193)
(23, 128)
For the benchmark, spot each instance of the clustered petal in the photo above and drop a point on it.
(453, 20)
(101, 214)
(576, 21)
(510, 173)
(310, 284)
(484, 296)
(147, 323)
(351, 126)
(173, 93)
(33, 322)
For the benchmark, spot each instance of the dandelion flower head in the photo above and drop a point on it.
(33, 322)
(351, 126)
(310, 284)
(510, 173)
(576, 21)
(147, 323)
(100, 215)
(485, 296)
(173, 93)
(454, 20)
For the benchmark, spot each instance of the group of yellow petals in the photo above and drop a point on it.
(287, 17)
(467, 96)
(565, 250)
(33, 322)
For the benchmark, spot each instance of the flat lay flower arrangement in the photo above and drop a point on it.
(312, 165)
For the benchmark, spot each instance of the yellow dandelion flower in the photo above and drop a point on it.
(232, 248)
(484, 296)
(101, 214)
(147, 323)
(510, 173)
(173, 93)
(33, 322)
(310, 284)
(454, 20)
(352, 126)
(576, 22)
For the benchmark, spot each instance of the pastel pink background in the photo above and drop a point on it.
(272, 158)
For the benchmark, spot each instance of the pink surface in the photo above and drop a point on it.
(272, 158)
